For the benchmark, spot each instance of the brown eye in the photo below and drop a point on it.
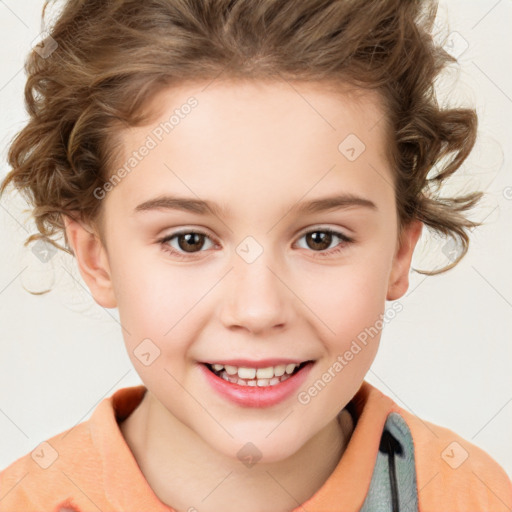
(320, 240)
(190, 241)
(184, 242)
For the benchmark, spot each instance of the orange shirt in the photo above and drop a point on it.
(90, 467)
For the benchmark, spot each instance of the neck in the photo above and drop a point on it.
(186, 473)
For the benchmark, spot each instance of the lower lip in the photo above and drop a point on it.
(256, 396)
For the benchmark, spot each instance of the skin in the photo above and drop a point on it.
(257, 149)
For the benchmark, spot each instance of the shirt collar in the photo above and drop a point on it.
(348, 483)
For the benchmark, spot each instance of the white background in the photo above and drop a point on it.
(446, 357)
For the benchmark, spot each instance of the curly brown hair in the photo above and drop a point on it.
(110, 56)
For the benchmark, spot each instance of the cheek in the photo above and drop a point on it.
(150, 294)
(350, 304)
(159, 302)
(349, 298)
(352, 308)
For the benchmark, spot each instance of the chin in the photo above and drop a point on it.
(258, 450)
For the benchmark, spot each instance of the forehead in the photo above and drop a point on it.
(264, 107)
(254, 139)
(265, 100)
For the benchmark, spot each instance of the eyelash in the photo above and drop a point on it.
(322, 254)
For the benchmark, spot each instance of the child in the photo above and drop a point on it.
(295, 143)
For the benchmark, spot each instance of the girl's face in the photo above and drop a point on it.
(231, 266)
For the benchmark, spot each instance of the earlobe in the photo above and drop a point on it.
(399, 277)
(92, 260)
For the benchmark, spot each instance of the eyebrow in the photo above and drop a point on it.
(201, 207)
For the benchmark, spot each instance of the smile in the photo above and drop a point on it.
(246, 376)
(256, 387)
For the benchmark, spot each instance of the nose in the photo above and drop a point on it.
(255, 297)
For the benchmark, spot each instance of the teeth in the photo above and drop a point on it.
(254, 382)
(290, 368)
(269, 376)
(258, 373)
(265, 373)
(231, 370)
(246, 373)
(279, 370)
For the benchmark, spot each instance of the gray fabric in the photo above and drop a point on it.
(379, 497)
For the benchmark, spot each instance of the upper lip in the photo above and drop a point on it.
(261, 363)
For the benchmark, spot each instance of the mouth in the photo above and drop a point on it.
(271, 375)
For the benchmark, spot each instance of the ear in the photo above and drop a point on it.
(92, 259)
(399, 276)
